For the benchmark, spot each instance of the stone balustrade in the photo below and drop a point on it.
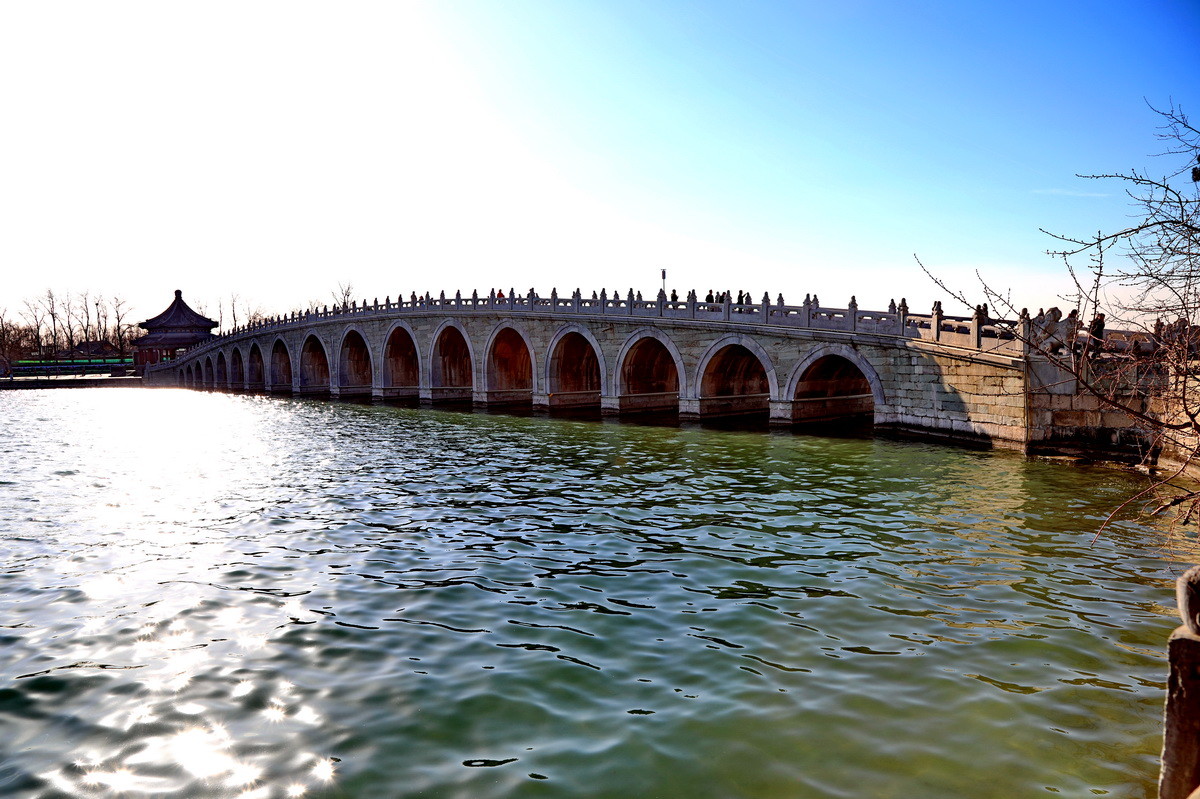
(975, 332)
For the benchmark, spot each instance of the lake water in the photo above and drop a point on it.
(205, 595)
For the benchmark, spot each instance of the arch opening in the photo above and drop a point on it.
(354, 366)
(254, 376)
(509, 370)
(734, 383)
(281, 368)
(314, 367)
(237, 370)
(222, 373)
(574, 373)
(450, 376)
(190, 379)
(833, 388)
(401, 366)
(649, 378)
(208, 373)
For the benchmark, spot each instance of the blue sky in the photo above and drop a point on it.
(274, 150)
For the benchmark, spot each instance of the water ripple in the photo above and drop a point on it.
(285, 598)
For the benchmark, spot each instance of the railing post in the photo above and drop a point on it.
(629, 303)
(852, 312)
(691, 301)
(935, 320)
(603, 300)
(902, 316)
(1180, 773)
(977, 318)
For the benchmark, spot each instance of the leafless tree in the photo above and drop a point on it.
(1133, 338)
(35, 317)
(67, 321)
(102, 331)
(83, 316)
(50, 306)
(16, 342)
(344, 295)
(122, 331)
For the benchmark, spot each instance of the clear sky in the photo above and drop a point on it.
(276, 149)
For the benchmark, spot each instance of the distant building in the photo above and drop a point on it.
(89, 349)
(176, 328)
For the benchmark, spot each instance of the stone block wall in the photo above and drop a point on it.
(972, 397)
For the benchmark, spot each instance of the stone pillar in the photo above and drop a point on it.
(781, 413)
(935, 320)
(610, 405)
(977, 320)
(902, 317)
(852, 312)
(1180, 774)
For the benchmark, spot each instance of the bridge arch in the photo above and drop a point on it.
(355, 370)
(281, 366)
(575, 369)
(208, 372)
(834, 381)
(736, 376)
(314, 365)
(649, 372)
(237, 369)
(187, 377)
(254, 372)
(222, 372)
(401, 361)
(451, 363)
(508, 366)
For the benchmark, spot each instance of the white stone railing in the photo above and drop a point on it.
(974, 332)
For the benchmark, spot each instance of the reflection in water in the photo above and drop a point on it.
(217, 596)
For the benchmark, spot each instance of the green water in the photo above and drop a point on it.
(205, 595)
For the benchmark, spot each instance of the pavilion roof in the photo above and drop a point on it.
(178, 316)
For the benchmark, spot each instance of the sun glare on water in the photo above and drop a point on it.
(163, 471)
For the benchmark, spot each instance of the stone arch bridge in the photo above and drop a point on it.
(962, 377)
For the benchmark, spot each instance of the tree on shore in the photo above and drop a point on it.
(1132, 339)
(52, 324)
